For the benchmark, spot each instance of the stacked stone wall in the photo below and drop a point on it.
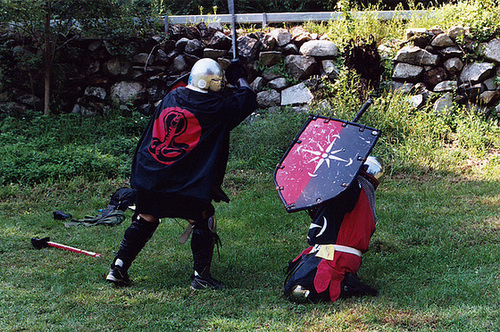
(448, 67)
(94, 75)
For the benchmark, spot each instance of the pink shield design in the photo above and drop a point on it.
(322, 161)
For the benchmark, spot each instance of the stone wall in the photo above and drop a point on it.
(448, 67)
(99, 74)
(93, 75)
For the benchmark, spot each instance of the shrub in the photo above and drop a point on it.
(341, 32)
(260, 142)
(413, 140)
(39, 148)
(482, 16)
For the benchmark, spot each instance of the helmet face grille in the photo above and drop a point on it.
(216, 84)
(206, 74)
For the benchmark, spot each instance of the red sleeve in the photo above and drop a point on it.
(358, 225)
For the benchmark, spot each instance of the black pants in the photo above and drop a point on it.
(140, 231)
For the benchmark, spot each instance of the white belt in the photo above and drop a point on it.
(327, 251)
(347, 249)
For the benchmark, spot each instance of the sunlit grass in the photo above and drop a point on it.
(432, 258)
(482, 17)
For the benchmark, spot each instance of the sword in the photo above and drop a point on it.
(230, 5)
(363, 110)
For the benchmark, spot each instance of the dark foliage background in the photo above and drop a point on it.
(182, 7)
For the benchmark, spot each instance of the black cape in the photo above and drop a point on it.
(183, 151)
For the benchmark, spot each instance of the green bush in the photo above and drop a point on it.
(103, 17)
(413, 140)
(40, 148)
(28, 164)
(481, 16)
(260, 142)
(37, 148)
(183, 7)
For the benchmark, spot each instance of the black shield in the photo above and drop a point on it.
(322, 161)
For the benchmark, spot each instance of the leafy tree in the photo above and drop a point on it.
(51, 24)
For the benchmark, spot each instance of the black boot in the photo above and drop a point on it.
(135, 238)
(353, 286)
(202, 246)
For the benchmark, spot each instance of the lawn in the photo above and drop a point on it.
(434, 259)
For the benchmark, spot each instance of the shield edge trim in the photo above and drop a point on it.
(290, 208)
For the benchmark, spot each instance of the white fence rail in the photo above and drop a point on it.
(265, 18)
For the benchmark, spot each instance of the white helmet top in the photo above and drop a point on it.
(374, 166)
(206, 75)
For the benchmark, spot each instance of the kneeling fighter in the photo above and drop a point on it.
(340, 232)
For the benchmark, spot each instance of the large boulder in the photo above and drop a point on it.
(488, 97)
(476, 72)
(280, 36)
(442, 40)
(268, 98)
(417, 56)
(444, 104)
(126, 92)
(278, 83)
(270, 58)
(407, 72)
(118, 66)
(213, 53)
(446, 86)
(319, 48)
(143, 59)
(434, 76)
(296, 95)
(456, 31)
(194, 47)
(96, 92)
(248, 47)
(220, 41)
(453, 65)
(301, 67)
(450, 52)
(492, 50)
(300, 35)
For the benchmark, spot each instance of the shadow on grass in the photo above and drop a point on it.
(433, 259)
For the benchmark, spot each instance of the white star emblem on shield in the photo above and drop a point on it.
(325, 155)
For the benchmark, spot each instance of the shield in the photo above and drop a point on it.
(322, 161)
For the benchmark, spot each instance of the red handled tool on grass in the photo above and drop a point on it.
(45, 242)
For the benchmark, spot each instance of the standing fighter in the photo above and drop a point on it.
(180, 162)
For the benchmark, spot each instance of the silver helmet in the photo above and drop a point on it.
(206, 75)
(374, 166)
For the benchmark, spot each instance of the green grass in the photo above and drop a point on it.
(481, 16)
(434, 258)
